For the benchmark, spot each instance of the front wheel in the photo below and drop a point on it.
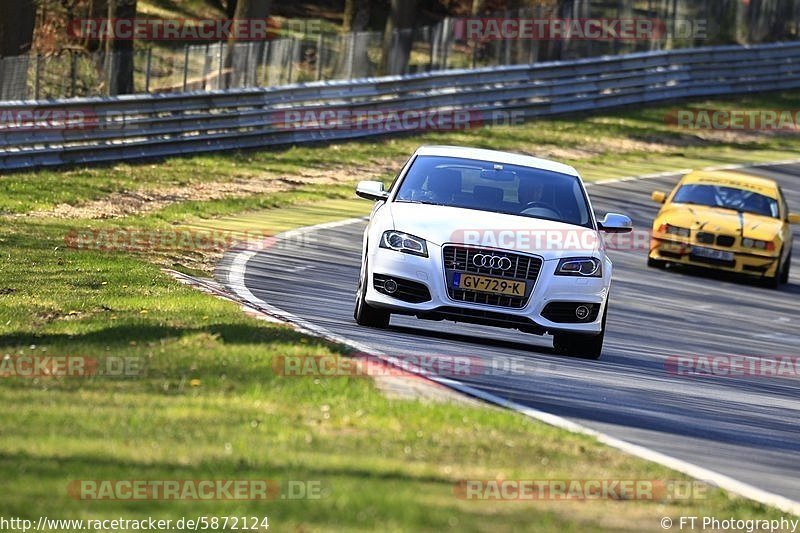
(656, 263)
(365, 314)
(781, 275)
(581, 345)
(577, 345)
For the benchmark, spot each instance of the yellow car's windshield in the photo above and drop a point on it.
(727, 198)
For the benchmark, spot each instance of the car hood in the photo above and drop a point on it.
(716, 220)
(443, 224)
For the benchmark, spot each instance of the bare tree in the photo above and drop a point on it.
(398, 36)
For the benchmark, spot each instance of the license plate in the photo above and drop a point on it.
(710, 253)
(488, 284)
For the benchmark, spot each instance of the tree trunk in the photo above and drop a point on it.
(16, 37)
(226, 6)
(16, 27)
(356, 15)
(230, 8)
(478, 6)
(98, 9)
(234, 62)
(119, 52)
(398, 36)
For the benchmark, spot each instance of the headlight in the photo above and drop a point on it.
(759, 245)
(580, 266)
(674, 230)
(403, 242)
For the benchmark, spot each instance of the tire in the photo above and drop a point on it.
(579, 345)
(786, 266)
(656, 263)
(365, 314)
(781, 276)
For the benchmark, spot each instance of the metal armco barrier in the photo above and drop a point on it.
(145, 126)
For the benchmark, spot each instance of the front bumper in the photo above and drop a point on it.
(679, 251)
(429, 271)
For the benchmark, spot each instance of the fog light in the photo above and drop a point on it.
(390, 286)
(582, 312)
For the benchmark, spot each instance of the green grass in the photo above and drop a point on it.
(209, 405)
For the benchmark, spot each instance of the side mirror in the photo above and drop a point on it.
(371, 190)
(659, 197)
(794, 218)
(616, 223)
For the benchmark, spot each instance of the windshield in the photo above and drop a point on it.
(499, 188)
(728, 198)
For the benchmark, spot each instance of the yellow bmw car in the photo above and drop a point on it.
(725, 220)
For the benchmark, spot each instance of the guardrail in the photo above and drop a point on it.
(96, 130)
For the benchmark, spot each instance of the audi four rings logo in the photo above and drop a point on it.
(491, 261)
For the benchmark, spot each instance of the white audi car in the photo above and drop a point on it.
(487, 237)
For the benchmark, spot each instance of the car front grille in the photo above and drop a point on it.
(704, 237)
(521, 268)
(725, 240)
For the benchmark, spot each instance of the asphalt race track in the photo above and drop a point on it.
(745, 427)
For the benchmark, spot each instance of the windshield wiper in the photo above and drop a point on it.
(418, 202)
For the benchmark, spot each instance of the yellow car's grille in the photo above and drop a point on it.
(705, 237)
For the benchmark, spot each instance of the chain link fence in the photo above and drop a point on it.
(443, 46)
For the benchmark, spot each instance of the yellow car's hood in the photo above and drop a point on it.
(717, 220)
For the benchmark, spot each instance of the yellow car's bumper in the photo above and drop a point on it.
(684, 252)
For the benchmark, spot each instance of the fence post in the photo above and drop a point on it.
(252, 77)
(73, 73)
(446, 29)
(185, 66)
(320, 44)
(147, 70)
(291, 60)
(265, 57)
(432, 45)
(206, 66)
(243, 75)
(351, 54)
(37, 82)
(221, 60)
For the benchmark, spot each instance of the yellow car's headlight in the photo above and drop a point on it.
(758, 245)
(674, 230)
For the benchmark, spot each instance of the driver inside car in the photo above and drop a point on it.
(531, 194)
